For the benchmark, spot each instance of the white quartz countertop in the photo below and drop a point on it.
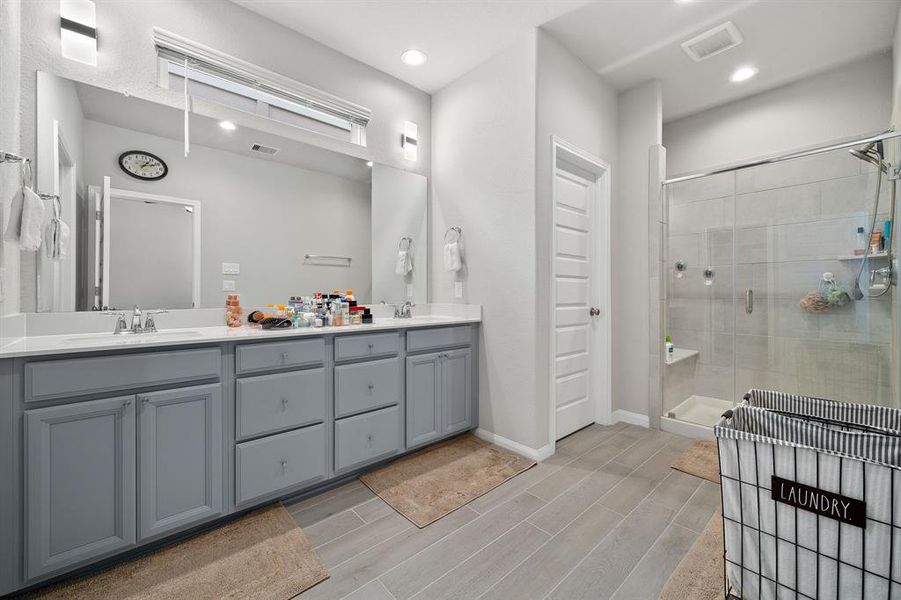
(44, 345)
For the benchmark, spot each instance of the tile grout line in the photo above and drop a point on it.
(380, 542)
(570, 523)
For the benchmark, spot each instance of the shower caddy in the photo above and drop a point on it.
(811, 493)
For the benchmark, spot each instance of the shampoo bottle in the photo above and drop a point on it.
(668, 346)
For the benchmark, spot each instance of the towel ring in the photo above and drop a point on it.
(408, 240)
(27, 173)
(455, 229)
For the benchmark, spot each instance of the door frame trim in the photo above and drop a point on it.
(601, 170)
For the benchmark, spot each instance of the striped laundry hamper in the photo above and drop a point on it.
(811, 498)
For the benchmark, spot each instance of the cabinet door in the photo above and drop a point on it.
(80, 493)
(423, 398)
(456, 390)
(180, 479)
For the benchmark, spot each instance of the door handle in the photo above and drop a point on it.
(749, 301)
(594, 311)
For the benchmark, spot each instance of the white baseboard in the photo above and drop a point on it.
(539, 455)
(633, 418)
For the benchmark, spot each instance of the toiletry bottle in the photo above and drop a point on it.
(876, 242)
(670, 349)
(886, 235)
(861, 242)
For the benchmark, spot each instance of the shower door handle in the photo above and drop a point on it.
(749, 301)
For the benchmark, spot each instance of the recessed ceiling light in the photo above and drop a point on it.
(369, 163)
(227, 125)
(683, 1)
(413, 57)
(742, 74)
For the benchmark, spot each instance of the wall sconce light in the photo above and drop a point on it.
(78, 30)
(409, 139)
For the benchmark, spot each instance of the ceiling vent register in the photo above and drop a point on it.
(712, 42)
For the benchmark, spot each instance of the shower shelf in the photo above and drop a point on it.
(680, 354)
(858, 257)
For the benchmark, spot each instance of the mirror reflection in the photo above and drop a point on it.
(245, 211)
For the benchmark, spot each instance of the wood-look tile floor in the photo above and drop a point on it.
(605, 517)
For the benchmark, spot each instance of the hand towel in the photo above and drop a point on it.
(452, 259)
(404, 263)
(62, 241)
(56, 239)
(14, 217)
(25, 220)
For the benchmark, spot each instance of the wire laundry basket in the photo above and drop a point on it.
(811, 492)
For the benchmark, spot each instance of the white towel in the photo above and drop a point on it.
(404, 263)
(452, 259)
(26, 218)
(56, 240)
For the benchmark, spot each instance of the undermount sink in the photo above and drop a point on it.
(127, 337)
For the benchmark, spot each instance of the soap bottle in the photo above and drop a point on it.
(670, 349)
(861, 242)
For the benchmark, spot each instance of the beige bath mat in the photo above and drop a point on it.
(263, 555)
(438, 480)
(701, 460)
(699, 575)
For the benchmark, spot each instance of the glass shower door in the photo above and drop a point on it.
(800, 232)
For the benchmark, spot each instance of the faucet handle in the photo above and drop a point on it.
(150, 323)
(120, 321)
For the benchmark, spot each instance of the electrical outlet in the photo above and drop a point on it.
(409, 290)
(458, 289)
(228, 285)
(231, 268)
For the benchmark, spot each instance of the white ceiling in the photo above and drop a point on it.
(627, 41)
(457, 35)
(112, 108)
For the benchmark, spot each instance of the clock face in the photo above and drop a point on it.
(143, 165)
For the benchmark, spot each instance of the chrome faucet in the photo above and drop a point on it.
(404, 311)
(120, 321)
(136, 320)
(149, 323)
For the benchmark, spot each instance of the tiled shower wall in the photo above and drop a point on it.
(774, 229)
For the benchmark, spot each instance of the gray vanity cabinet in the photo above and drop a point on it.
(439, 395)
(180, 458)
(456, 390)
(80, 482)
(423, 398)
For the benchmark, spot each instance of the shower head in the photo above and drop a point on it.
(871, 153)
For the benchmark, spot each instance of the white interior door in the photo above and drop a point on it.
(576, 313)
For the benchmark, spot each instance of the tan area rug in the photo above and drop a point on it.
(701, 460)
(263, 555)
(436, 481)
(699, 576)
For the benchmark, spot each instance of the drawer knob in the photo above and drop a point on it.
(284, 404)
(284, 466)
(369, 439)
(284, 357)
(371, 346)
(126, 404)
(371, 387)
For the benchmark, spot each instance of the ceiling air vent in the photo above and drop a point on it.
(263, 149)
(712, 42)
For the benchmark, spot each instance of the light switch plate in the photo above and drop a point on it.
(458, 289)
(228, 285)
(231, 268)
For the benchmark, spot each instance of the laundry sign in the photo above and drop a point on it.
(826, 504)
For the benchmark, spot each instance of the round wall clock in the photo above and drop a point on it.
(143, 165)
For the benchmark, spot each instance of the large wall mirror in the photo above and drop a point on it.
(270, 216)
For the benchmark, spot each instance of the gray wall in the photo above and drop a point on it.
(847, 101)
(261, 214)
(573, 104)
(483, 180)
(640, 118)
(127, 61)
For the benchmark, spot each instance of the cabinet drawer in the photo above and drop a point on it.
(365, 386)
(441, 337)
(276, 355)
(269, 403)
(363, 346)
(367, 437)
(279, 462)
(51, 379)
